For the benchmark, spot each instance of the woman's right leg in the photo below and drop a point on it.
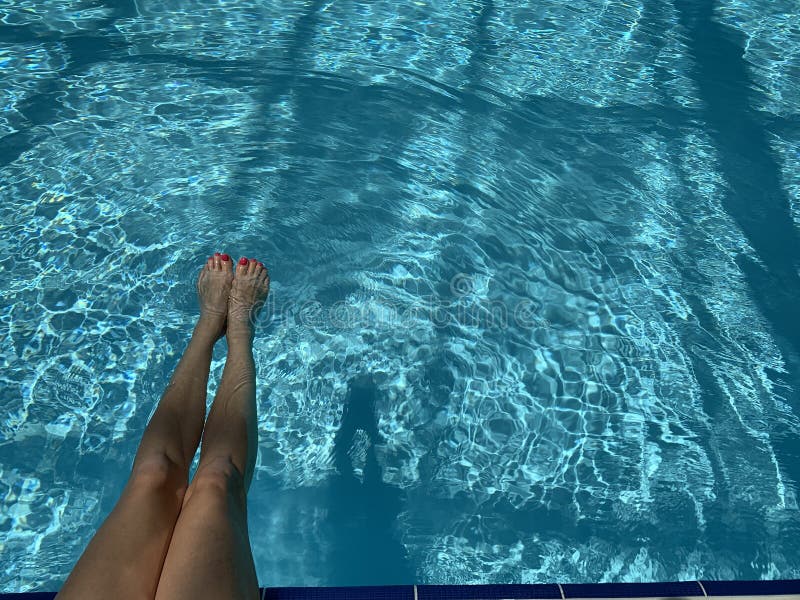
(209, 555)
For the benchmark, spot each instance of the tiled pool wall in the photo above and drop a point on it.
(554, 591)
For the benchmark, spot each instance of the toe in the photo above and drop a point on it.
(241, 266)
(227, 264)
(217, 261)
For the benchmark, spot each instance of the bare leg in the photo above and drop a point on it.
(209, 555)
(124, 558)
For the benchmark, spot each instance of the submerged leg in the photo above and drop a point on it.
(124, 558)
(209, 555)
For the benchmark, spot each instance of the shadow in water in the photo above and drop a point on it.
(362, 509)
(755, 198)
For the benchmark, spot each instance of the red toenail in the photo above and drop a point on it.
(216, 253)
(242, 261)
(225, 257)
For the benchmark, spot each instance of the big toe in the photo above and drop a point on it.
(226, 264)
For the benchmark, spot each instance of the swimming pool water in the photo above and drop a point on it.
(535, 278)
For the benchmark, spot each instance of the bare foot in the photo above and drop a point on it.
(248, 293)
(213, 288)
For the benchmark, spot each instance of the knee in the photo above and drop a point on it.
(218, 479)
(159, 474)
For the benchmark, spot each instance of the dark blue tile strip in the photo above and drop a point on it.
(632, 590)
(399, 592)
(528, 592)
(487, 592)
(751, 588)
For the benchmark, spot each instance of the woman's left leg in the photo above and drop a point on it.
(124, 558)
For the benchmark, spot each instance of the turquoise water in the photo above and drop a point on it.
(535, 278)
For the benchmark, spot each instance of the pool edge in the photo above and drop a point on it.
(547, 591)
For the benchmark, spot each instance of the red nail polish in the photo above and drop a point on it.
(225, 257)
(243, 261)
(216, 253)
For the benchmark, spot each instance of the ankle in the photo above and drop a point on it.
(207, 330)
(239, 332)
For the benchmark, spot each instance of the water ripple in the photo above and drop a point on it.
(510, 217)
